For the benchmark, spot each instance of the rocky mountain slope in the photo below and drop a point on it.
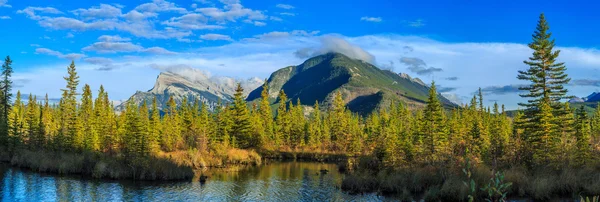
(197, 85)
(364, 87)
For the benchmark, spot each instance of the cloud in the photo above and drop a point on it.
(4, 3)
(415, 23)
(191, 21)
(441, 89)
(105, 64)
(158, 51)
(231, 13)
(70, 56)
(388, 66)
(69, 35)
(453, 97)
(160, 6)
(5, 17)
(19, 83)
(216, 37)
(585, 82)
(121, 46)
(113, 47)
(452, 78)
(30, 12)
(371, 19)
(418, 66)
(112, 38)
(285, 6)
(287, 14)
(102, 11)
(330, 43)
(501, 90)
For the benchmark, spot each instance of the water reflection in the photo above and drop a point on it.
(289, 181)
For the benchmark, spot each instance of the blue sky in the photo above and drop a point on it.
(463, 45)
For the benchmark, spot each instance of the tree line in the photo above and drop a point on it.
(546, 132)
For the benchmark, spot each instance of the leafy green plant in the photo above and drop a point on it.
(497, 188)
(470, 183)
(587, 199)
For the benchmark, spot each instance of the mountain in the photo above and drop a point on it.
(192, 85)
(364, 87)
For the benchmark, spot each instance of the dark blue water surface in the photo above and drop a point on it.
(285, 181)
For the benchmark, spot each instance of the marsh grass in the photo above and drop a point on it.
(178, 165)
(446, 184)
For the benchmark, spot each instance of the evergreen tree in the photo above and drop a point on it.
(582, 134)
(282, 120)
(154, 127)
(6, 95)
(547, 78)
(86, 121)
(434, 131)
(72, 130)
(241, 119)
(266, 112)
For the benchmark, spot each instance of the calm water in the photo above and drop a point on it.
(289, 181)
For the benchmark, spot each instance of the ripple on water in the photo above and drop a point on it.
(286, 181)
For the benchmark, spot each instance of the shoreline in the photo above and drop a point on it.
(172, 166)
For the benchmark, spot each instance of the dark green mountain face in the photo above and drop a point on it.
(364, 87)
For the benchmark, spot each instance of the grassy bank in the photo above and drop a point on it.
(437, 183)
(178, 165)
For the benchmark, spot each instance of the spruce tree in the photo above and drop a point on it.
(582, 135)
(6, 88)
(241, 119)
(434, 132)
(86, 121)
(266, 111)
(72, 130)
(154, 126)
(547, 78)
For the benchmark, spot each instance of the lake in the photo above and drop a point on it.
(280, 181)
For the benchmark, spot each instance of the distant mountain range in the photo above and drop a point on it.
(193, 85)
(364, 87)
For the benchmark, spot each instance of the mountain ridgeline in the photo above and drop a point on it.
(192, 86)
(363, 86)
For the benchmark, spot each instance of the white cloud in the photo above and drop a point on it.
(70, 56)
(112, 38)
(371, 19)
(4, 3)
(259, 23)
(232, 12)
(69, 35)
(145, 20)
(415, 23)
(113, 47)
(216, 37)
(158, 51)
(102, 11)
(191, 21)
(116, 44)
(160, 6)
(285, 6)
(288, 14)
(279, 35)
(331, 43)
(30, 12)
(5, 17)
